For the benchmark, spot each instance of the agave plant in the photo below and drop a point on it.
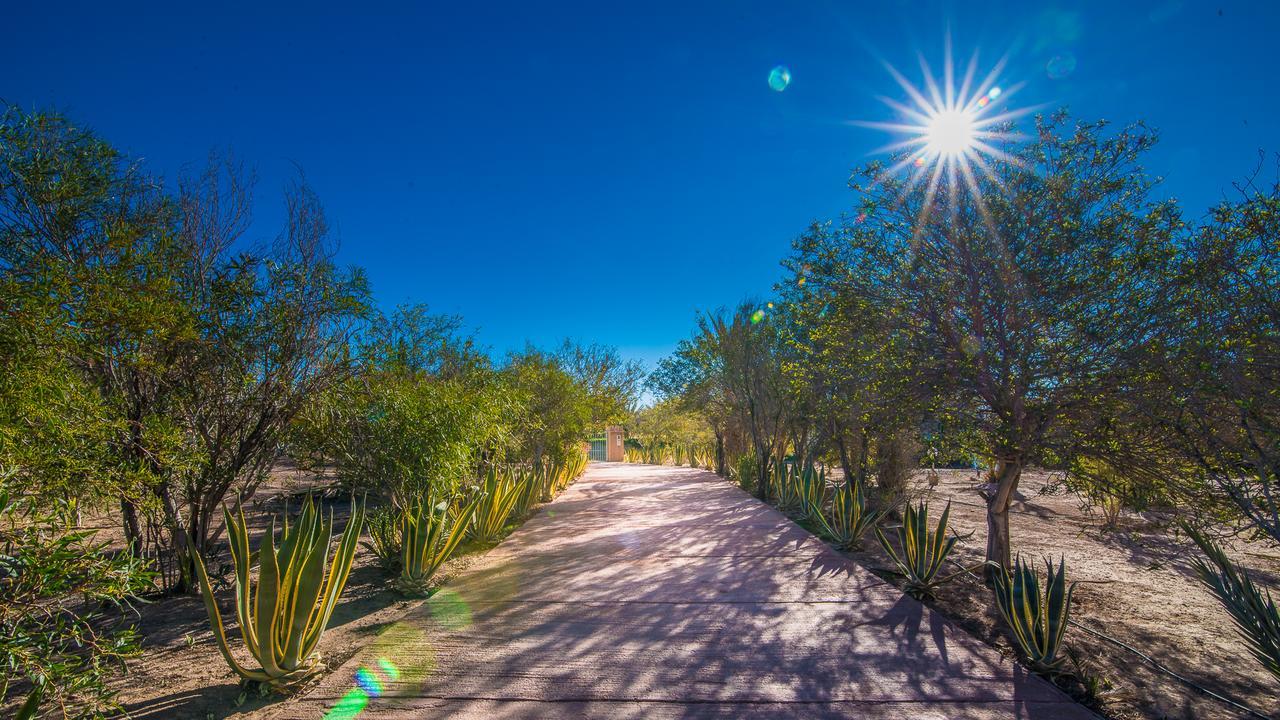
(296, 593)
(495, 503)
(526, 479)
(1253, 609)
(922, 551)
(384, 540)
(849, 518)
(431, 532)
(811, 490)
(785, 483)
(1037, 619)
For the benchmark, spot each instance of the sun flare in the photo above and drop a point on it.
(950, 131)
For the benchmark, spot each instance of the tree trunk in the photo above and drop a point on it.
(132, 527)
(999, 498)
(719, 453)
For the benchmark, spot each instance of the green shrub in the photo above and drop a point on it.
(54, 645)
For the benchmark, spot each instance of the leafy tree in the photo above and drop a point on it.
(612, 384)
(1026, 292)
(555, 410)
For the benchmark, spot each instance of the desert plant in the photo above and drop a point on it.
(530, 491)
(384, 540)
(1252, 608)
(810, 488)
(743, 470)
(297, 590)
(785, 486)
(922, 551)
(56, 644)
(497, 499)
(849, 518)
(431, 533)
(1036, 619)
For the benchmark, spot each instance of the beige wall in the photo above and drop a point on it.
(613, 443)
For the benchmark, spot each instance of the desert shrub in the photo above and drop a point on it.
(56, 645)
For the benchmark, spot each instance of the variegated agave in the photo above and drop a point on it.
(297, 589)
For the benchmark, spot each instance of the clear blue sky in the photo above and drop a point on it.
(600, 170)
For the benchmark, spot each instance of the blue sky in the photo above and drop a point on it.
(601, 170)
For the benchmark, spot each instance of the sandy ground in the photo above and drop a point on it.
(1134, 585)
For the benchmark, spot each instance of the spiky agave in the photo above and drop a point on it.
(923, 551)
(432, 531)
(497, 499)
(811, 490)
(1252, 609)
(849, 517)
(1036, 619)
(297, 590)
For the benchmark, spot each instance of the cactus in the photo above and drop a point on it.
(283, 620)
(923, 552)
(849, 518)
(431, 532)
(1037, 619)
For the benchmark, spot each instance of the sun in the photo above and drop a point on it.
(949, 133)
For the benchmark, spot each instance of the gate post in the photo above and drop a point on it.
(613, 443)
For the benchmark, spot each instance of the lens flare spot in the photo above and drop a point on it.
(369, 682)
(1060, 66)
(994, 93)
(757, 317)
(389, 669)
(779, 78)
(770, 306)
(450, 610)
(349, 706)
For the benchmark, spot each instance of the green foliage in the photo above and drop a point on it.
(922, 551)
(497, 499)
(431, 529)
(849, 517)
(1252, 609)
(384, 541)
(744, 471)
(1037, 619)
(297, 589)
(56, 644)
(554, 412)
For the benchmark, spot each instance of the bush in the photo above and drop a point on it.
(54, 643)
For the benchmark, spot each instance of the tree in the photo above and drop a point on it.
(612, 384)
(1026, 284)
(555, 410)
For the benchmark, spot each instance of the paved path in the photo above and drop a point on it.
(657, 592)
